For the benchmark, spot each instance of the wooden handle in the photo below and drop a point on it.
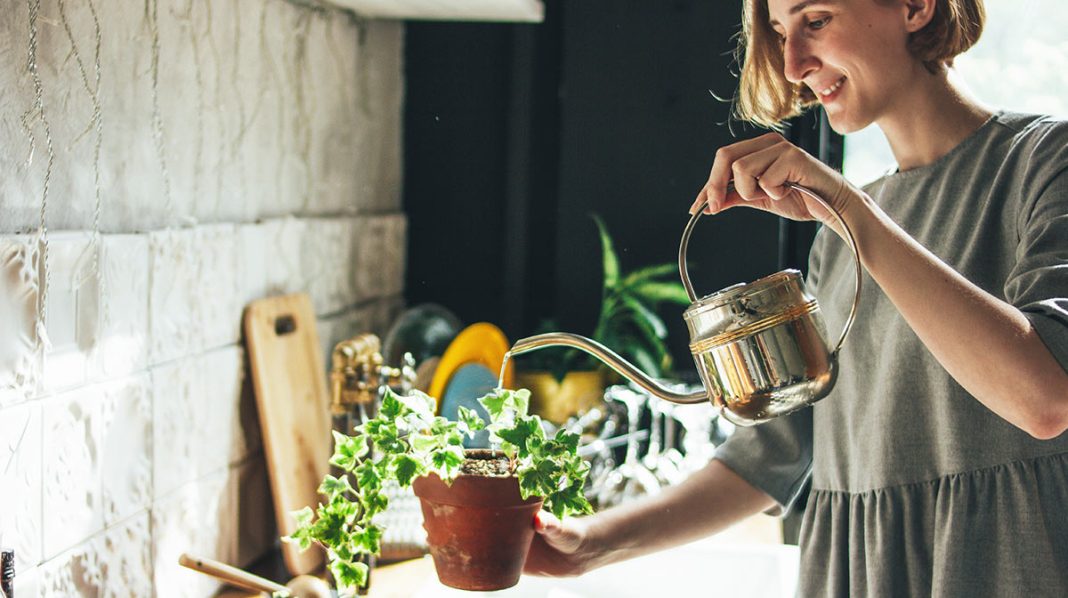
(230, 574)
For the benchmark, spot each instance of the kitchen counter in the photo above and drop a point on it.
(707, 567)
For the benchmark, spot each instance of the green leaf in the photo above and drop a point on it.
(303, 517)
(332, 486)
(611, 262)
(447, 461)
(471, 419)
(368, 540)
(349, 576)
(368, 477)
(405, 469)
(644, 317)
(649, 273)
(423, 443)
(659, 292)
(420, 403)
(391, 407)
(494, 402)
(517, 436)
(569, 441)
(348, 450)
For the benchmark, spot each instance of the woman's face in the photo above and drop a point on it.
(852, 54)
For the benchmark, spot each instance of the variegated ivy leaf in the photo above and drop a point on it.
(332, 486)
(471, 419)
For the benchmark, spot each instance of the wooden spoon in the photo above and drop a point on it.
(302, 586)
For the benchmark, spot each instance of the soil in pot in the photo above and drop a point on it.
(479, 529)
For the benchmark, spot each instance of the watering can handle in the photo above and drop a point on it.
(850, 240)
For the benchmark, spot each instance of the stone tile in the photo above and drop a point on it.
(327, 245)
(253, 261)
(370, 259)
(20, 479)
(201, 421)
(284, 237)
(126, 568)
(19, 363)
(122, 344)
(72, 309)
(75, 573)
(395, 250)
(71, 498)
(196, 519)
(193, 302)
(126, 448)
(223, 439)
(176, 388)
(28, 582)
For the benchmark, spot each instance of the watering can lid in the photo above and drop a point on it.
(737, 291)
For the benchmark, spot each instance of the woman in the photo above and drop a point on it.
(939, 464)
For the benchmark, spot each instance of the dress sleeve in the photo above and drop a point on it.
(1038, 282)
(775, 456)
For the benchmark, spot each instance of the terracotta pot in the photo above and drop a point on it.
(556, 400)
(479, 529)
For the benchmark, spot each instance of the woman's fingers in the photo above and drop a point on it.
(715, 190)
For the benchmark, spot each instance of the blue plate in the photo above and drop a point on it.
(470, 383)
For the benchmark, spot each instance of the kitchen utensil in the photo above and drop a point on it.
(760, 348)
(481, 343)
(294, 410)
(302, 586)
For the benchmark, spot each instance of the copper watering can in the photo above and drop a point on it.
(761, 348)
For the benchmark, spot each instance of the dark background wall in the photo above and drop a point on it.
(514, 134)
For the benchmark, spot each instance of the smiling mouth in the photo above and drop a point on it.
(828, 91)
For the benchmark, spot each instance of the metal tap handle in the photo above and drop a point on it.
(850, 240)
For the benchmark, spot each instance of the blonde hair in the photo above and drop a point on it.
(766, 97)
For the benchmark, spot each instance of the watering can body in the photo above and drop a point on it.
(760, 348)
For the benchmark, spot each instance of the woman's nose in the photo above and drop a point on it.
(798, 60)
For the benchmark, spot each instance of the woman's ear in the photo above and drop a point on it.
(918, 13)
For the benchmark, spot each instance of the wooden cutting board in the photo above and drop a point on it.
(294, 407)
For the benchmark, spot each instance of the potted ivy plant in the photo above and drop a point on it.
(567, 381)
(478, 505)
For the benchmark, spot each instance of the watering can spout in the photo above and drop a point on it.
(609, 357)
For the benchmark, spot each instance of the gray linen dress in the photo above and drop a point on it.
(917, 489)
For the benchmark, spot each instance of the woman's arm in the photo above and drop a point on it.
(707, 502)
(987, 345)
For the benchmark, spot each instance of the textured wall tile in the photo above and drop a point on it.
(126, 568)
(285, 273)
(123, 340)
(394, 251)
(75, 572)
(126, 448)
(195, 519)
(20, 482)
(325, 258)
(201, 422)
(19, 365)
(253, 243)
(28, 582)
(71, 313)
(369, 273)
(223, 439)
(71, 473)
(380, 93)
(193, 303)
(176, 387)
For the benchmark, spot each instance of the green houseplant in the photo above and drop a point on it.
(627, 323)
(406, 442)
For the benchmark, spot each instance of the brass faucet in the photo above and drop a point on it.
(358, 374)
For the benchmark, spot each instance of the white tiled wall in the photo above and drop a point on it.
(128, 432)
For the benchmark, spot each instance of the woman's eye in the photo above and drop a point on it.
(819, 23)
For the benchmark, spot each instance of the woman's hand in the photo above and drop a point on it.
(761, 169)
(559, 548)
